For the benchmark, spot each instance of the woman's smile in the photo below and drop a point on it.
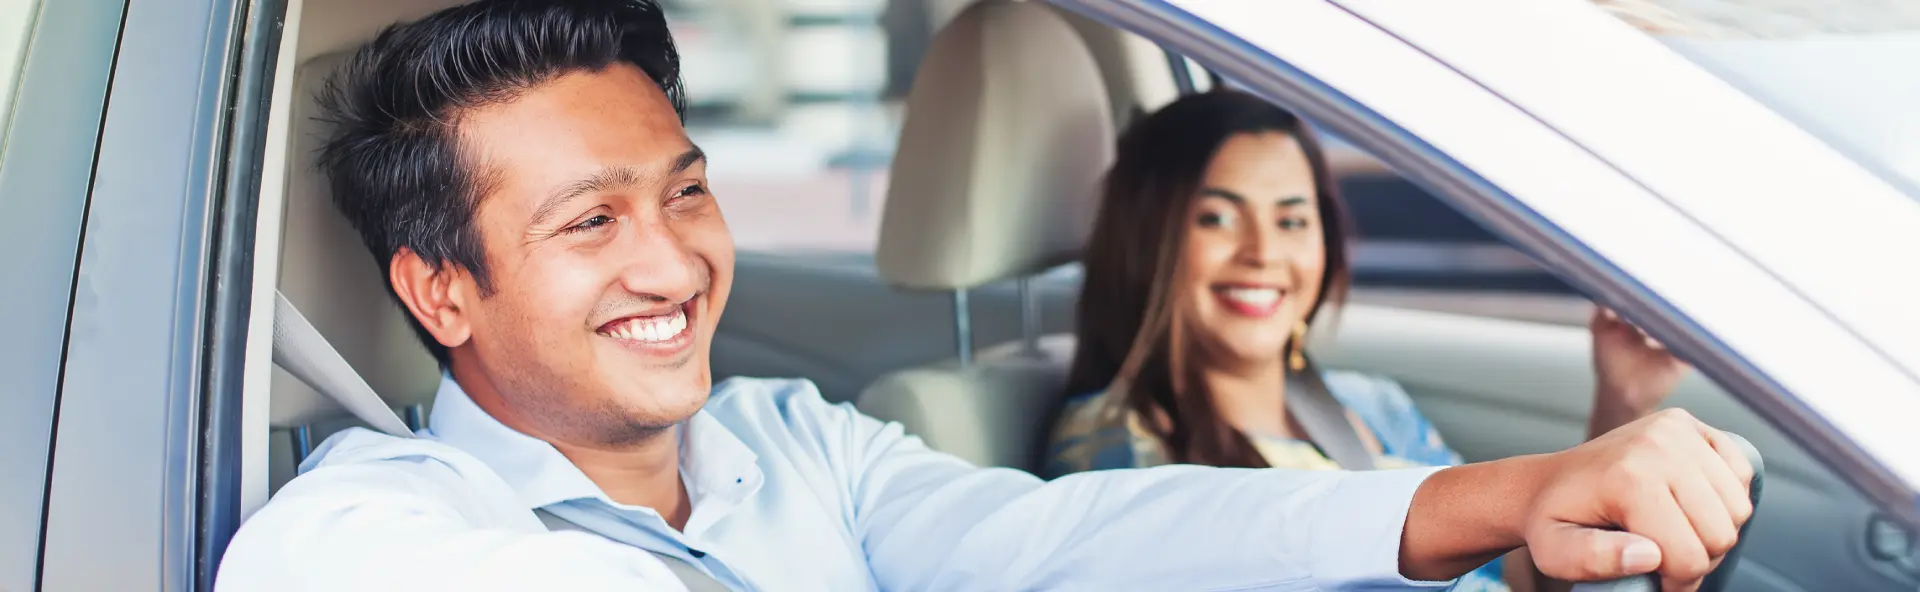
(1250, 301)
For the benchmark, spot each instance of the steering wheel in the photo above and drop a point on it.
(1716, 581)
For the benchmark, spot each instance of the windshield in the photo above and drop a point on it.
(1842, 69)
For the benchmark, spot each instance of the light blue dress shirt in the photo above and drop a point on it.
(790, 492)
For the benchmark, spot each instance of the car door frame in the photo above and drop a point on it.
(1462, 141)
(58, 105)
(142, 493)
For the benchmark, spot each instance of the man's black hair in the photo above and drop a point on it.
(394, 160)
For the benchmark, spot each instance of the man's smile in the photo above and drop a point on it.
(665, 331)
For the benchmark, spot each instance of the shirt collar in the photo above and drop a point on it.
(719, 469)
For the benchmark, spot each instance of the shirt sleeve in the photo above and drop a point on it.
(929, 521)
(398, 526)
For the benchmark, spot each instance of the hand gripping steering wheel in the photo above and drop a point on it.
(1716, 581)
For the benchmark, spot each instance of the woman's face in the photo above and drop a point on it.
(1253, 254)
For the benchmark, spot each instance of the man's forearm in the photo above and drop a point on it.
(1465, 516)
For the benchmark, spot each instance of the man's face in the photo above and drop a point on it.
(609, 260)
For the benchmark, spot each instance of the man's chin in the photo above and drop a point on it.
(642, 417)
(666, 399)
(674, 412)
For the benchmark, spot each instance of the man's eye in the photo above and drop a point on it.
(693, 190)
(591, 223)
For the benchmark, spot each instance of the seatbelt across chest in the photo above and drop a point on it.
(690, 575)
(299, 349)
(1325, 420)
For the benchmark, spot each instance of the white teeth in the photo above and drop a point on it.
(658, 328)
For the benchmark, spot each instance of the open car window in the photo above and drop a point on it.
(798, 108)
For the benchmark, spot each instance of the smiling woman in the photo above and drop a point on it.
(1235, 272)
(1219, 242)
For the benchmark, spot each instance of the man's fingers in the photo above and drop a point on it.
(1654, 513)
(1711, 522)
(1737, 495)
(1673, 586)
(1724, 466)
(1577, 553)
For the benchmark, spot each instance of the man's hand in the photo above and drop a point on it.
(1677, 486)
(1666, 493)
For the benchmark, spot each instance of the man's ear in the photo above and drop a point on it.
(432, 296)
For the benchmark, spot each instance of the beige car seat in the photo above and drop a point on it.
(326, 273)
(1008, 129)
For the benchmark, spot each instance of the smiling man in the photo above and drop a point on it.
(519, 170)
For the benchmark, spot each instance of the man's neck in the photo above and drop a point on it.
(644, 472)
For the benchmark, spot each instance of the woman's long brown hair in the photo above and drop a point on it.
(1133, 337)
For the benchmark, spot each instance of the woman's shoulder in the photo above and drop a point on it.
(1093, 433)
(1083, 412)
(1368, 395)
(1384, 406)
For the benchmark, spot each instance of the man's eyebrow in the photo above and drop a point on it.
(599, 181)
(605, 180)
(686, 159)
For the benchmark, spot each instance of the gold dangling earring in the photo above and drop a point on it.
(1297, 358)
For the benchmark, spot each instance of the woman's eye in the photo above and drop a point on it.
(1215, 219)
(1293, 223)
(591, 223)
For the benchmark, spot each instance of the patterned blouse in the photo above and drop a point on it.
(1097, 432)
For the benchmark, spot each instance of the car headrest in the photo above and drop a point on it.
(326, 272)
(1007, 133)
(1133, 91)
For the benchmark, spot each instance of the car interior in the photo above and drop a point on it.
(957, 323)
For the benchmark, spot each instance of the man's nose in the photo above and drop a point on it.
(657, 263)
